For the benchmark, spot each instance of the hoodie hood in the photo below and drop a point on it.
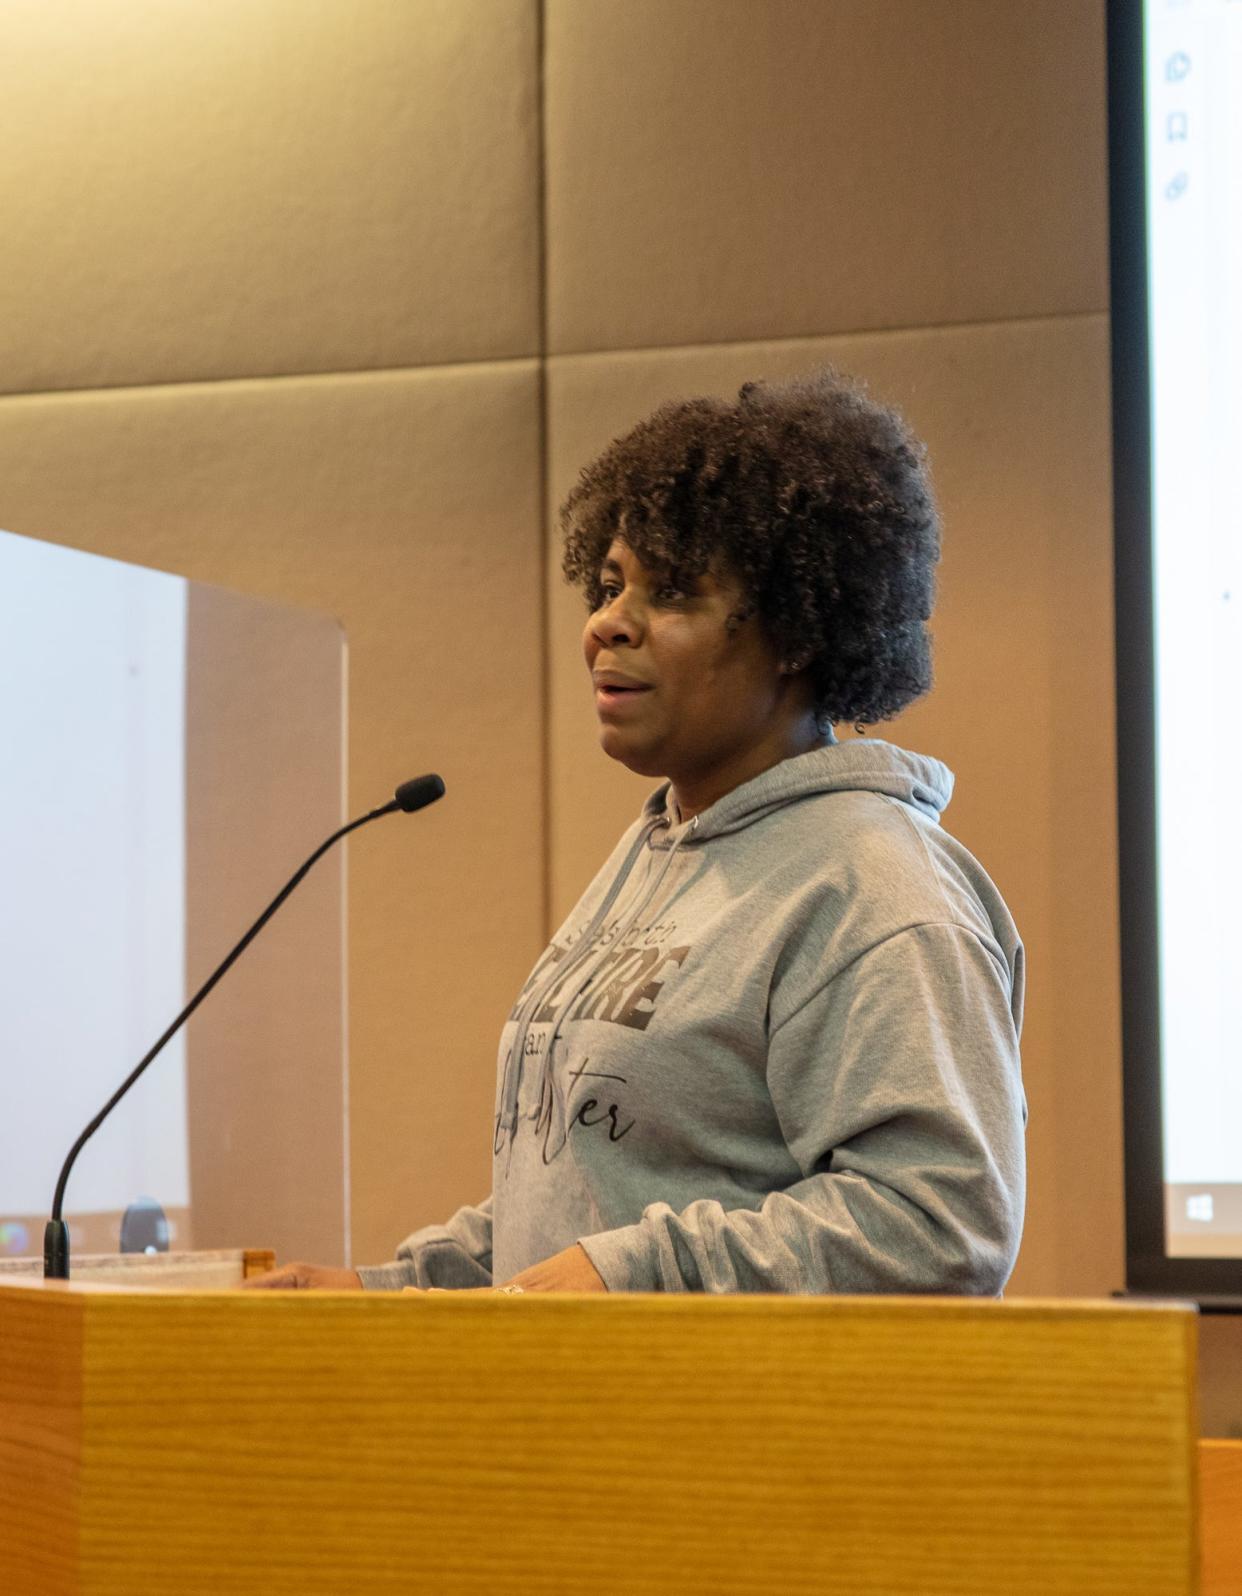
(855, 766)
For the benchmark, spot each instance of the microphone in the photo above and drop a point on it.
(410, 795)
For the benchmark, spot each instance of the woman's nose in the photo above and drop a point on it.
(617, 622)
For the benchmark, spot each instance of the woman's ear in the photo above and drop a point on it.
(791, 667)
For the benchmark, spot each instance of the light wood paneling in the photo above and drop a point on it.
(194, 191)
(1015, 417)
(41, 1396)
(1220, 1495)
(407, 505)
(705, 1446)
(722, 170)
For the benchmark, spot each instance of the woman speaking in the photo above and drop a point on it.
(775, 1045)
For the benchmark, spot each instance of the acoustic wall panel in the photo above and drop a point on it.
(1015, 417)
(408, 506)
(193, 191)
(721, 170)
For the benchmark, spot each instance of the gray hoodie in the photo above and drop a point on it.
(773, 1048)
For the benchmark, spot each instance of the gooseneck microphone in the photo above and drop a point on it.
(410, 795)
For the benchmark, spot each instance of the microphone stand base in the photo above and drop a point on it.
(56, 1250)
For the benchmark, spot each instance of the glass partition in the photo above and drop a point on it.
(173, 752)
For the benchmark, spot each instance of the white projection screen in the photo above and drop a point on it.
(172, 752)
(1176, 224)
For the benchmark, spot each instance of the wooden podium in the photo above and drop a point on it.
(174, 1443)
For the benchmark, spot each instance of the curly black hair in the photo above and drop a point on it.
(810, 494)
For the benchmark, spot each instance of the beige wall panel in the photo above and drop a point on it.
(407, 505)
(724, 169)
(194, 191)
(1220, 1375)
(1016, 419)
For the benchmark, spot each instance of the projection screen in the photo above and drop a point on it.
(1176, 232)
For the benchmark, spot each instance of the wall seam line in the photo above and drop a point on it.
(541, 357)
(544, 456)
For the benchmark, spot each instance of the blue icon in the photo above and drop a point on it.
(14, 1239)
(1176, 126)
(1177, 67)
(1176, 186)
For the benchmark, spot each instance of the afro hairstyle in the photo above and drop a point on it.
(811, 495)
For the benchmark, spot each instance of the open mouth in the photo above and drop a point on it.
(610, 697)
(621, 692)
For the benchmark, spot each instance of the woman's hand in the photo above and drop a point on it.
(570, 1270)
(306, 1277)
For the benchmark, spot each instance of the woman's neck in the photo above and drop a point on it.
(692, 795)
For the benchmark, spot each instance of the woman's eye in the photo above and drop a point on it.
(608, 592)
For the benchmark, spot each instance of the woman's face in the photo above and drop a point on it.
(686, 684)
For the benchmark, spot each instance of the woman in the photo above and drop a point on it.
(775, 1046)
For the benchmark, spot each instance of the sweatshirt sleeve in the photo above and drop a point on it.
(897, 1087)
(455, 1256)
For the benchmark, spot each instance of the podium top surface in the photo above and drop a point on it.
(108, 1274)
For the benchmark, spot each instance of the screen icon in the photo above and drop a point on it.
(1176, 186)
(1176, 126)
(1177, 67)
(1200, 1207)
(14, 1239)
